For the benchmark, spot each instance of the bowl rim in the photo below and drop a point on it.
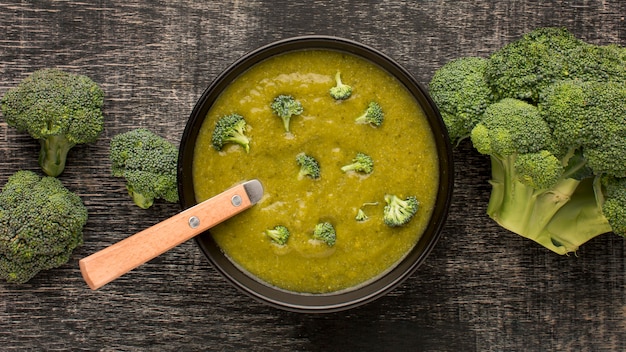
(341, 300)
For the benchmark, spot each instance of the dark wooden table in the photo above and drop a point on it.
(481, 289)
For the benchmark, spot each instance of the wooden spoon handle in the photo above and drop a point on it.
(112, 262)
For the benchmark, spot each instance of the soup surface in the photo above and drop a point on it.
(405, 164)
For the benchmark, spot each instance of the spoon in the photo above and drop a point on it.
(114, 261)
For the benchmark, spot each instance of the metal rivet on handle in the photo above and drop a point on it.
(194, 222)
(236, 200)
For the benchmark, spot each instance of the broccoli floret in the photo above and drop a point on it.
(373, 115)
(361, 215)
(398, 211)
(614, 206)
(148, 163)
(539, 170)
(361, 163)
(279, 234)
(325, 232)
(340, 91)
(523, 68)
(309, 167)
(286, 106)
(41, 223)
(556, 130)
(598, 63)
(511, 126)
(461, 92)
(59, 109)
(230, 129)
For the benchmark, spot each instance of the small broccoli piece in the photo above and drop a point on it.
(59, 109)
(373, 115)
(460, 90)
(340, 91)
(309, 167)
(279, 234)
(286, 106)
(361, 215)
(361, 163)
(325, 232)
(230, 129)
(399, 211)
(41, 223)
(148, 162)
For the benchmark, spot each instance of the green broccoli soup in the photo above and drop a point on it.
(402, 149)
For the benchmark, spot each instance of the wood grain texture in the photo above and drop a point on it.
(481, 289)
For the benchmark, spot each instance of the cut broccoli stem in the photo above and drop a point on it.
(579, 220)
(551, 218)
(53, 154)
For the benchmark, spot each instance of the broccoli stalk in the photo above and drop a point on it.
(59, 109)
(286, 106)
(53, 154)
(230, 129)
(41, 223)
(148, 163)
(373, 115)
(361, 163)
(340, 91)
(560, 218)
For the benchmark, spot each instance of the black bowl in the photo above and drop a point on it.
(345, 299)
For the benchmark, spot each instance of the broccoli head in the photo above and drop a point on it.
(230, 129)
(57, 108)
(373, 115)
(279, 234)
(148, 162)
(286, 106)
(461, 92)
(589, 116)
(361, 163)
(41, 223)
(340, 91)
(325, 232)
(399, 211)
(555, 134)
(309, 167)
